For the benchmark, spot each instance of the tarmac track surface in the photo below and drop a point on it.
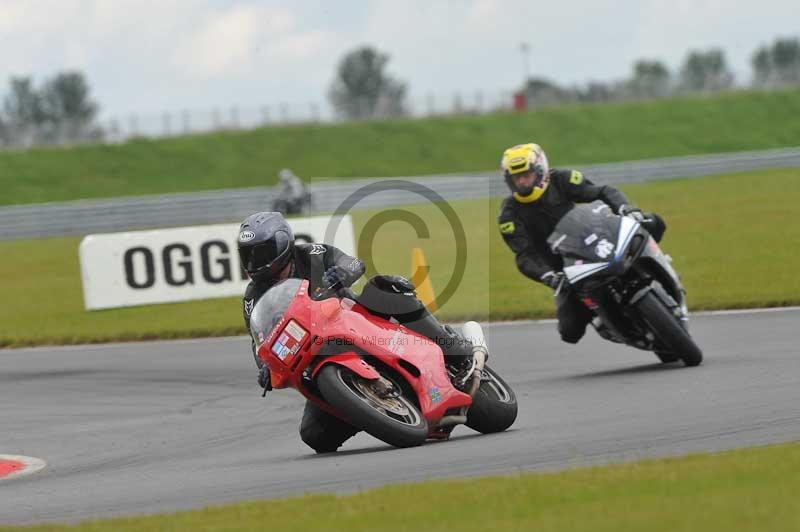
(149, 427)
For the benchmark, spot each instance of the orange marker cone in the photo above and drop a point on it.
(420, 278)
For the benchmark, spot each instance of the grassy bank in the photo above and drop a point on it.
(746, 490)
(571, 134)
(731, 237)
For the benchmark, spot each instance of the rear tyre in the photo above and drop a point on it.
(666, 358)
(395, 420)
(494, 407)
(667, 328)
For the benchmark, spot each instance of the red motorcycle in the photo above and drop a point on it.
(374, 373)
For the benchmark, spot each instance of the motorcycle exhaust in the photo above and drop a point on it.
(451, 421)
(473, 332)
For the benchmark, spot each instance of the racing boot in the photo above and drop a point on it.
(459, 354)
(394, 297)
(457, 349)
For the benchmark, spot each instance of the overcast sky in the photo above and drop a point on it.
(151, 56)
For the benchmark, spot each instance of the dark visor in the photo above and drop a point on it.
(258, 256)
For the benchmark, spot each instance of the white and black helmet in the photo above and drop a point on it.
(266, 245)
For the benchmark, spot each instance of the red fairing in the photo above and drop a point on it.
(351, 361)
(352, 332)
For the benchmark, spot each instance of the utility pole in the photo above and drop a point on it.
(525, 49)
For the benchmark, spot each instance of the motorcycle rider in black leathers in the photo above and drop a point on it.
(540, 197)
(293, 197)
(269, 255)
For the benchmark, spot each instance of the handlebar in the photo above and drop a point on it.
(644, 220)
(337, 289)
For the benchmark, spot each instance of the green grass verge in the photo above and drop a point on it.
(744, 490)
(732, 239)
(573, 134)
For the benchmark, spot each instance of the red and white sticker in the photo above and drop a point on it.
(12, 466)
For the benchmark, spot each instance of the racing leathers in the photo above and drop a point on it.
(525, 227)
(312, 262)
(293, 196)
(318, 429)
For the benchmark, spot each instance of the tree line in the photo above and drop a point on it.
(58, 111)
(362, 88)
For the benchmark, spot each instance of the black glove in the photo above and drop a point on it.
(333, 275)
(633, 212)
(264, 378)
(552, 279)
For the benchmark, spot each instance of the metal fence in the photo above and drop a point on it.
(232, 118)
(97, 216)
(179, 122)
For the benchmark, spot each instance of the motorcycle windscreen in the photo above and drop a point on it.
(587, 232)
(269, 310)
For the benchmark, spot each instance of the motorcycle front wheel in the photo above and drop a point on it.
(392, 418)
(668, 330)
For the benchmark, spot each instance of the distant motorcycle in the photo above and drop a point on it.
(620, 273)
(297, 205)
(374, 373)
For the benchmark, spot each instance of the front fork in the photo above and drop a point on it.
(611, 320)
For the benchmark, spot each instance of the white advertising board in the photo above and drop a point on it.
(180, 264)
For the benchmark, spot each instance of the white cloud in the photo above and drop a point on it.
(22, 16)
(482, 11)
(300, 46)
(142, 55)
(241, 39)
(223, 44)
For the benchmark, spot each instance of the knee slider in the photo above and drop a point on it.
(571, 335)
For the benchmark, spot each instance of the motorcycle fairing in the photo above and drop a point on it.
(351, 361)
(580, 231)
(600, 227)
(576, 272)
(653, 251)
(355, 333)
(670, 280)
(416, 358)
(627, 228)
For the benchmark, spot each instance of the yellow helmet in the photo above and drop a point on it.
(522, 160)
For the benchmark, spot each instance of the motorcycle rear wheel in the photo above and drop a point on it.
(494, 407)
(667, 328)
(396, 421)
(666, 358)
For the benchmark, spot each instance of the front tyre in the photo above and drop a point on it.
(494, 407)
(392, 418)
(668, 330)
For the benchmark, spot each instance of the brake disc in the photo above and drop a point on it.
(379, 398)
